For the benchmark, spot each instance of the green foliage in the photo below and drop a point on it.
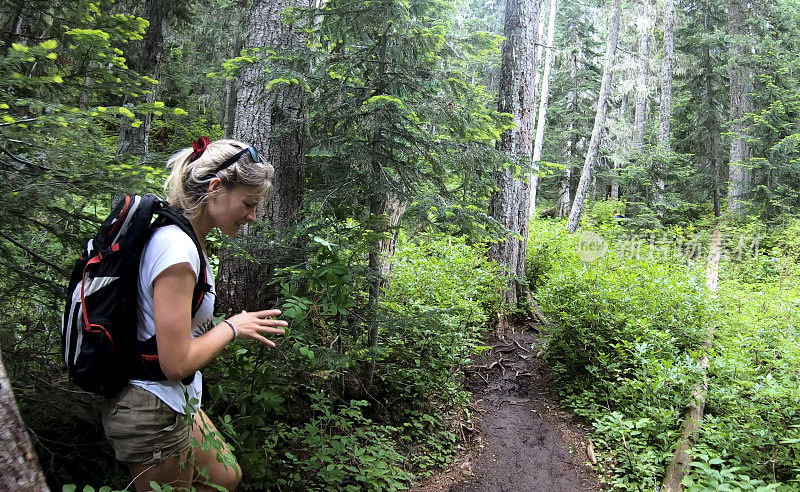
(625, 349)
(337, 448)
(441, 297)
(444, 273)
(550, 248)
(622, 347)
(376, 130)
(302, 404)
(749, 439)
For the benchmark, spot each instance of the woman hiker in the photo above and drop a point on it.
(151, 424)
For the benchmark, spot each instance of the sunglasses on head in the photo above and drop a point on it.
(254, 155)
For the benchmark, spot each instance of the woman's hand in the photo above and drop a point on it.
(256, 324)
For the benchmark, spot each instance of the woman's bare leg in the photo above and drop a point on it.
(218, 473)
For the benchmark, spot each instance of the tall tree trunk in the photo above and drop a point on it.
(614, 195)
(88, 82)
(379, 205)
(634, 194)
(599, 121)
(380, 263)
(509, 202)
(740, 106)
(19, 467)
(666, 104)
(562, 205)
(564, 201)
(272, 122)
(228, 108)
(147, 61)
(642, 76)
(543, 98)
(711, 121)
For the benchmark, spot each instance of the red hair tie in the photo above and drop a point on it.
(199, 147)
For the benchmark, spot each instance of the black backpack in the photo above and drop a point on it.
(98, 333)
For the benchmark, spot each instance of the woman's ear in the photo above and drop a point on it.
(214, 185)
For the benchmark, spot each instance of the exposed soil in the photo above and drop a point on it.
(522, 440)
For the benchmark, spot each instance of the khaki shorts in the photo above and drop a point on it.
(142, 429)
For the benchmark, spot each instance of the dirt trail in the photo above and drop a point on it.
(522, 441)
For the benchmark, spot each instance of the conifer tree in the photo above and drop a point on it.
(740, 86)
(599, 121)
(665, 116)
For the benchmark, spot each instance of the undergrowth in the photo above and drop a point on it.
(301, 417)
(625, 346)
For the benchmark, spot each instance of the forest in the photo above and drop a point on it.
(618, 179)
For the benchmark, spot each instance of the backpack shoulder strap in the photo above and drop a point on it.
(168, 215)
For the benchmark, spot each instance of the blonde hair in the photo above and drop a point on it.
(187, 183)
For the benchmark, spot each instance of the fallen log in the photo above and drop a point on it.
(694, 416)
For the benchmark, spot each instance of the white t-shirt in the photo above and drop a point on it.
(168, 246)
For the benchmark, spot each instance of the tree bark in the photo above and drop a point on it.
(599, 121)
(509, 202)
(740, 106)
(614, 194)
(666, 104)
(16, 25)
(562, 205)
(380, 263)
(147, 61)
(543, 99)
(271, 121)
(19, 467)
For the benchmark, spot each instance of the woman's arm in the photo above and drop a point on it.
(178, 353)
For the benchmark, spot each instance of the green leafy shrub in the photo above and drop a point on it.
(442, 294)
(550, 247)
(337, 448)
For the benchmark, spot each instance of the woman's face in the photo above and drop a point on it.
(229, 209)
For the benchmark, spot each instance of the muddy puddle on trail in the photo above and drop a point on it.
(522, 441)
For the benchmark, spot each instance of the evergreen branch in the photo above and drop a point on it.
(26, 120)
(56, 288)
(35, 255)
